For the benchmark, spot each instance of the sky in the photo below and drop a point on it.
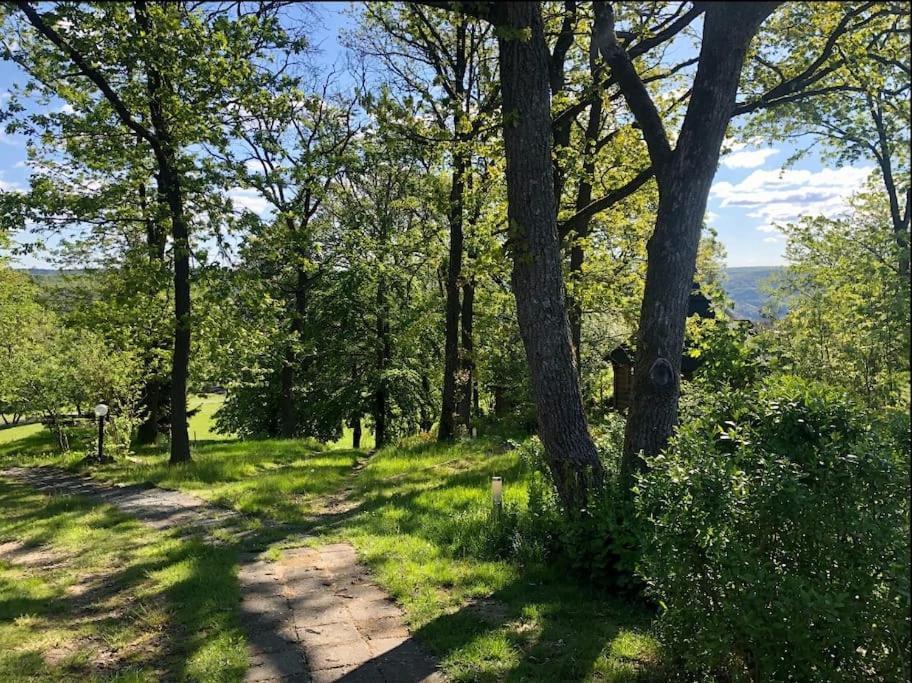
(751, 195)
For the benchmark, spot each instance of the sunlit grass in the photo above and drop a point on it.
(412, 509)
(278, 479)
(201, 426)
(485, 619)
(111, 599)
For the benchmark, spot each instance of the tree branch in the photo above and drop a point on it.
(597, 206)
(638, 98)
(93, 74)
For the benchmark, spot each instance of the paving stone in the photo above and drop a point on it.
(329, 634)
(368, 610)
(388, 627)
(264, 604)
(336, 655)
(364, 591)
(267, 641)
(308, 585)
(401, 673)
(314, 601)
(314, 615)
(364, 673)
(333, 614)
(277, 665)
(261, 586)
(383, 646)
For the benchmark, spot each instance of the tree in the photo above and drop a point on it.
(684, 175)
(445, 61)
(533, 242)
(856, 107)
(186, 62)
(292, 144)
(847, 320)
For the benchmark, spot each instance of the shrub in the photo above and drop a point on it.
(776, 540)
(595, 540)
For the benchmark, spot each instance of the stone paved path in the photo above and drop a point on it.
(312, 616)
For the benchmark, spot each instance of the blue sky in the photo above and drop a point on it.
(750, 195)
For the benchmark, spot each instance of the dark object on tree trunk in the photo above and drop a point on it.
(622, 357)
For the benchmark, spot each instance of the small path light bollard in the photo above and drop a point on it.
(497, 494)
(101, 410)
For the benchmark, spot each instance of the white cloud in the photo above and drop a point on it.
(748, 158)
(9, 186)
(771, 240)
(249, 199)
(254, 166)
(776, 197)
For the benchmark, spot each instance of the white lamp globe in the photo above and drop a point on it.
(101, 410)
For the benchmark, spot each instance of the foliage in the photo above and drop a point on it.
(848, 306)
(776, 539)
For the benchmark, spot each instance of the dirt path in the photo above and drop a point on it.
(312, 616)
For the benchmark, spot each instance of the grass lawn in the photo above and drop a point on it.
(417, 511)
(89, 594)
(413, 514)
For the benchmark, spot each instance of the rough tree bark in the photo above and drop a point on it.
(384, 353)
(172, 190)
(898, 216)
(288, 417)
(684, 176)
(466, 359)
(155, 390)
(447, 425)
(536, 275)
(583, 199)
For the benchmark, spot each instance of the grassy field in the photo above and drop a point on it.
(413, 512)
(87, 594)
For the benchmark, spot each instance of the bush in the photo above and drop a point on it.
(776, 539)
(593, 541)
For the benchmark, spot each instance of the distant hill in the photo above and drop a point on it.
(744, 287)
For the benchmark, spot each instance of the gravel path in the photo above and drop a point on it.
(312, 616)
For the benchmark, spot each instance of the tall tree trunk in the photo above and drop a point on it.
(172, 191)
(684, 177)
(426, 406)
(583, 198)
(467, 358)
(384, 353)
(155, 387)
(536, 274)
(898, 216)
(288, 414)
(449, 397)
(356, 432)
(180, 365)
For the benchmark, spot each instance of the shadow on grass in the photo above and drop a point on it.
(195, 580)
(539, 624)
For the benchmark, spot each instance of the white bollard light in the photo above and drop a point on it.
(497, 493)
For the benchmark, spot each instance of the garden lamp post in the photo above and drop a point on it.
(101, 410)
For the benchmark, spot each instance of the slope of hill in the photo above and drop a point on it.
(744, 286)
